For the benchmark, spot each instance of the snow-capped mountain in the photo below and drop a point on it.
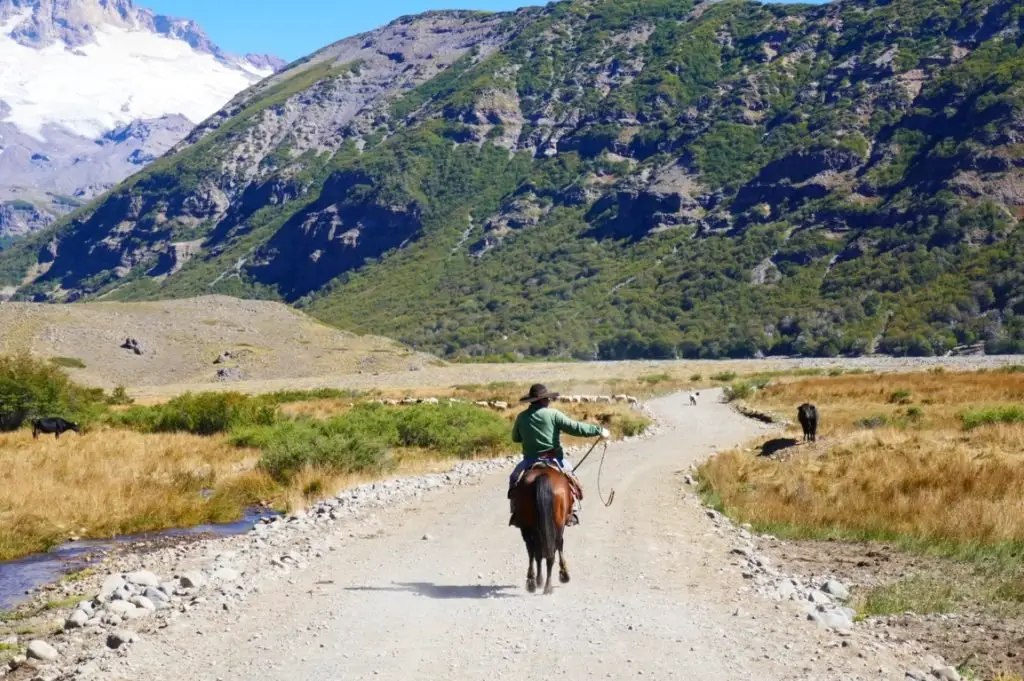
(90, 90)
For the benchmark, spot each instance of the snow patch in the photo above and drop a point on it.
(123, 76)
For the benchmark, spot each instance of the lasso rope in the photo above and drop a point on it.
(604, 453)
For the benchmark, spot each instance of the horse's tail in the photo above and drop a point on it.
(545, 517)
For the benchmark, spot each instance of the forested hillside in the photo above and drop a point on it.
(603, 178)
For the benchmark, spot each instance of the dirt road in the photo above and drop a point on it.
(435, 590)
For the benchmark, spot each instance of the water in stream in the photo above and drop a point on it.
(20, 575)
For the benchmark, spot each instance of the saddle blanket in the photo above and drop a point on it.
(574, 483)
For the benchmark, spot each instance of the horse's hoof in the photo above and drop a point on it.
(531, 586)
(548, 590)
(563, 577)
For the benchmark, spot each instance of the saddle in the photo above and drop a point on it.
(574, 483)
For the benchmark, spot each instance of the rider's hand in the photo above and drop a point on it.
(605, 435)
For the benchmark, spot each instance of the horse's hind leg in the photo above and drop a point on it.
(531, 577)
(548, 587)
(563, 565)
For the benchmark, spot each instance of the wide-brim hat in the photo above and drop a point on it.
(538, 392)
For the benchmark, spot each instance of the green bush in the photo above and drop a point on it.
(358, 440)
(38, 388)
(872, 422)
(988, 416)
(900, 397)
(199, 414)
(291, 446)
(724, 376)
(633, 425)
(287, 396)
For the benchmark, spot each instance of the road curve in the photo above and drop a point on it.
(653, 594)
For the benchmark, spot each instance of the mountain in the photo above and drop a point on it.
(91, 91)
(602, 179)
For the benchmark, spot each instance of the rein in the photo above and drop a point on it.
(604, 453)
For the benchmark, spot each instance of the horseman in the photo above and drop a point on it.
(538, 430)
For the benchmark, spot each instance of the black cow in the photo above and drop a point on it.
(55, 426)
(807, 414)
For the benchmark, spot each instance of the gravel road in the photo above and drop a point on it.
(434, 589)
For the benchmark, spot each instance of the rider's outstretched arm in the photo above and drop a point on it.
(577, 428)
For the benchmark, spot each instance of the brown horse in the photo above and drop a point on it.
(543, 502)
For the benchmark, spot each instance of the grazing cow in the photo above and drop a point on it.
(807, 414)
(55, 426)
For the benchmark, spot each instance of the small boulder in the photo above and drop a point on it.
(946, 674)
(836, 590)
(77, 620)
(156, 595)
(120, 637)
(41, 650)
(143, 578)
(143, 602)
(110, 585)
(121, 608)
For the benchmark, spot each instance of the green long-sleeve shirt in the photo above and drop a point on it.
(538, 430)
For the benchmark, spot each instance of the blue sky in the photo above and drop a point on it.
(294, 28)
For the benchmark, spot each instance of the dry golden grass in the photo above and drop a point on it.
(924, 478)
(115, 482)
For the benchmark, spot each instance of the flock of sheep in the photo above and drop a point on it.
(501, 406)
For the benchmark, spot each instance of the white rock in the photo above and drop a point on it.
(77, 620)
(143, 578)
(111, 584)
(836, 589)
(120, 607)
(143, 602)
(946, 674)
(156, 595)
(41, 650)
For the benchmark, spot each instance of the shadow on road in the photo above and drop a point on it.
(442, 591)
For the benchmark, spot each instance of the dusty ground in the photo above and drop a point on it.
(434, 588)
(989, 644)
(181, 339)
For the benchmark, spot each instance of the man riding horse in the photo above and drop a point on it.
(538, 430)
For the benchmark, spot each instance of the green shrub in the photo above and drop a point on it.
(287, 396)
(358, 441)
(696, 377)
(872, 422)
(291, 446)
(900, 397)
(724, 376)
(38, 388)
(633, 425)
(119, 396)
(199, 414)
(992, 415)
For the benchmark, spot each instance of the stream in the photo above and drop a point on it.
(22, 574)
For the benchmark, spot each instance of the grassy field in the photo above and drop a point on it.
(933, 462)
(205, 457)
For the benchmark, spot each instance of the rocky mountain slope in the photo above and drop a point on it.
(602, 178)
(93, 90)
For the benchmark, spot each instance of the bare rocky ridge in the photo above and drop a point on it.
(385, 580)
(183, 339)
